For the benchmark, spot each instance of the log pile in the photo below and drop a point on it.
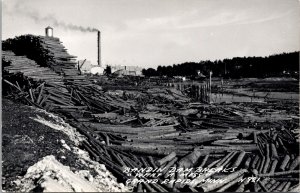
(162, 128)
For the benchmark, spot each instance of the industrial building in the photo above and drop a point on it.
(126, 70)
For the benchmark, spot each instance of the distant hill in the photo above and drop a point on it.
(285, 64)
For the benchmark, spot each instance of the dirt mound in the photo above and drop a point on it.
(41, 153)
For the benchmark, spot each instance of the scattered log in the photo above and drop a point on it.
(233, 182)
(166, 159)
(239, 159)
(286, 173)
(169, 165)
(204, 161)
(284, 162)
(273, 166)
(190, 160)
(286, 187)
(254, 162)
(274, 151)
(213, 186)
(294, 163)
(247, 163)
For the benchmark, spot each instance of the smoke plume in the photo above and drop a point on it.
(51, 19)
(67, 26)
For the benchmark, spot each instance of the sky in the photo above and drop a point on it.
(148, 33)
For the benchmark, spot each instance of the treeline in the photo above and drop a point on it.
(285, 64)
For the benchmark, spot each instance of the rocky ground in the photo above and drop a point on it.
(40, 152)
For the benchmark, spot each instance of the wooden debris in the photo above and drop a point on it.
(153, 125)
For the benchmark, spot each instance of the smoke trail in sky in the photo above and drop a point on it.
(52, 20)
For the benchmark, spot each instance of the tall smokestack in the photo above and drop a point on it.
(99, 48)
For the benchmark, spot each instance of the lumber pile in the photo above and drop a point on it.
(46, 51)
(27, 67)
(36, 85)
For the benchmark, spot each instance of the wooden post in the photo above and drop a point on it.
(193, 91)
(205, 93)
(210, 73)
(202, 93)
(199, 92)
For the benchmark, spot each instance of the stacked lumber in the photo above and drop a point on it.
(46, 51)
(44, 88)
(29, 68)
(59, 59)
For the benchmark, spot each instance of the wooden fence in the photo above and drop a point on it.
(196, 90)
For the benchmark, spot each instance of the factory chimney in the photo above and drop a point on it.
(49, 31)
(99, 47)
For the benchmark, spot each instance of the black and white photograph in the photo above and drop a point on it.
(150, 95)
